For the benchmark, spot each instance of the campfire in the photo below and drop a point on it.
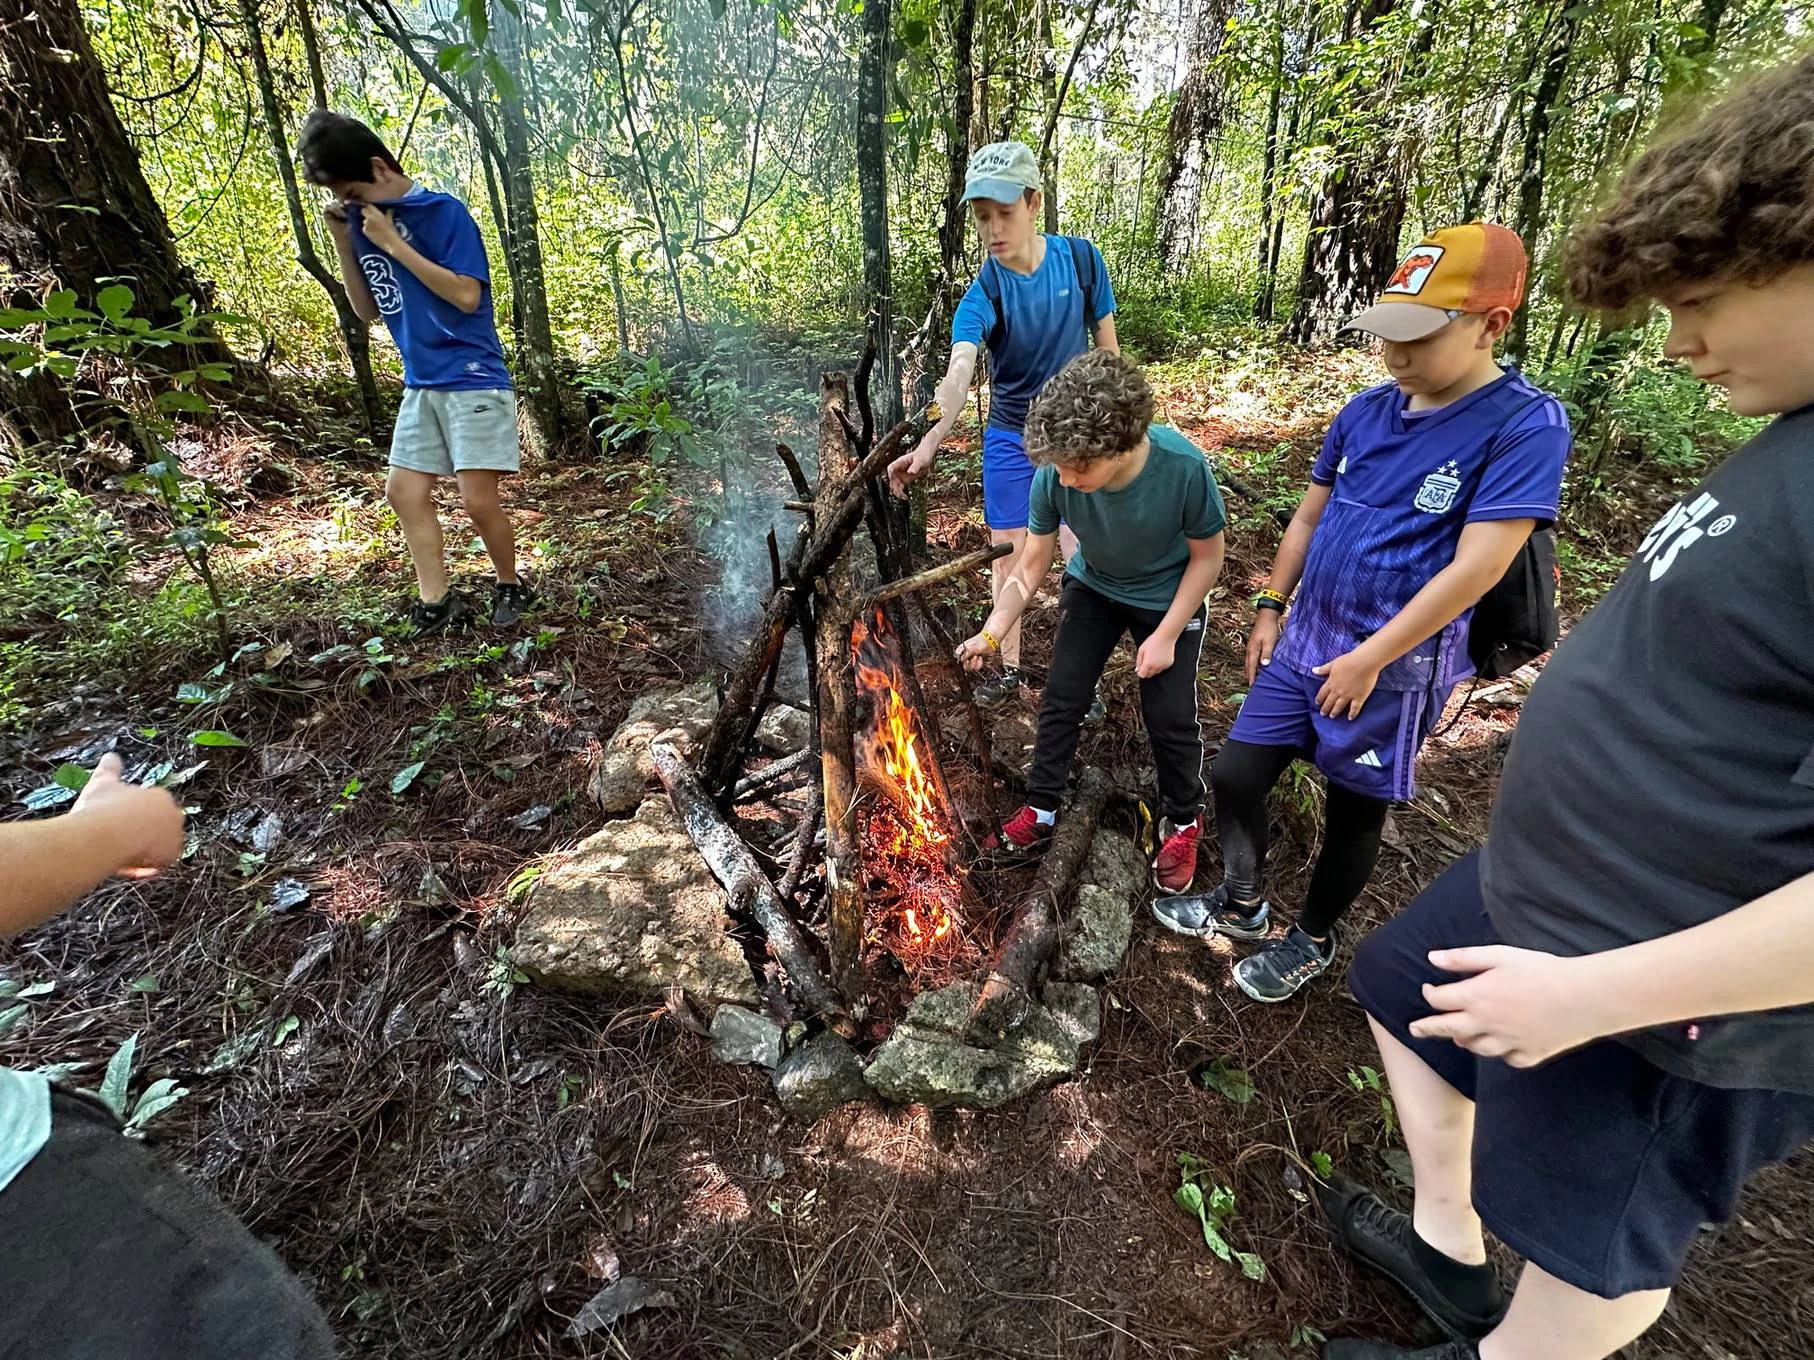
(878, 888)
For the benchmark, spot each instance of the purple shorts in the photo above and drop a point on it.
(1374, 754)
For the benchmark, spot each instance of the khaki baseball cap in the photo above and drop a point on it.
(1002, 171)
(1473, 268)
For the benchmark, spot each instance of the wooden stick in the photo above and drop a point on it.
(932, 576)
(805, 835)
(1031, 937)
(790, 460)
(772, 774)
(798, 507)
(735, 867)
(979, 730)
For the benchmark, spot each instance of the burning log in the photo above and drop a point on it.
(735, 867)
(1033, 933)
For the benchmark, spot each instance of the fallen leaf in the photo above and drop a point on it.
(620, 1298)
(287, 893)
(531, 818)
(274, 762)
(319, 948)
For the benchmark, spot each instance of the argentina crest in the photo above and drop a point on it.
(1437, 493)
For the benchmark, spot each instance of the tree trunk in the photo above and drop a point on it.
(1048, 90)
(311, 49)
(1263, 296)
(872, 183)
(74, 205)
(1530, 175)
(1355, 218)
(538, 377)
(352, 330)
(953, 267)
(1196, 117)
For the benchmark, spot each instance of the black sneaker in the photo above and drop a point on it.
(1099, 711)
(1278, 971)
(1380, 1236)
(1385, 1350)
(510, 600)
(999, 688)
(449, 614)
(1206, 914)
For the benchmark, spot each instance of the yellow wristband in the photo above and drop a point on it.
(988, 637)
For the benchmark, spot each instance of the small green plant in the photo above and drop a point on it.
(1213, 1206)
(348, 792)
(1323, 1164)
(151, 1102)
(1233, 1082)
(1306, 1336)
(1369, 1079)
(501, 973)
(570, 1089)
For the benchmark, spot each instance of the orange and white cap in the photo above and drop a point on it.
(1473, 268)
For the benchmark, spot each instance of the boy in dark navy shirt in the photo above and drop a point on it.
(1601, 1024)
(1426, 488)
(1037, 303)
(415, 258)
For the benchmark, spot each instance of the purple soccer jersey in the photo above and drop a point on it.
(1405, 485)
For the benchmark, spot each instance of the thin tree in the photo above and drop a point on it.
(872, 189)
(1196, 117)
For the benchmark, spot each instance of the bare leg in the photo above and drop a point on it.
(1550, 1320)
(999, 571)
(1438, 1122)
(412, 495)
(479, 494)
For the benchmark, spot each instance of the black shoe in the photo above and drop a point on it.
(999, 688)
(1210, 913)
(510, 600)
(1099, 711)
(1381, 1236)
(1281, 968)
(449, 614)
(1385, 1350)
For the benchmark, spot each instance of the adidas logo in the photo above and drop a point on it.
(1371, 760)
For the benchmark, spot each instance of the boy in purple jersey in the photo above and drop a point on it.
(1426, 489)
(415, 258)
(1601, 1024)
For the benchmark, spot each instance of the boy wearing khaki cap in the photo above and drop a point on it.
(1426, 489)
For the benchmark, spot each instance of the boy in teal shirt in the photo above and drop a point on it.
(1148, 520)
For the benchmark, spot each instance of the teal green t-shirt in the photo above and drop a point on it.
(24, 1120)
(1131, 542)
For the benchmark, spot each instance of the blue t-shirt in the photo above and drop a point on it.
(442, 346)
(1042, 313)
(1404, 487)
(24, 1120)
(1131, 542)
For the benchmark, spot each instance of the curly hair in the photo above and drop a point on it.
(1728, 196)
(1097, 406)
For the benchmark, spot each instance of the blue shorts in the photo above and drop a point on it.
(1597, 1165)
(1007, 479)
(1374, 754)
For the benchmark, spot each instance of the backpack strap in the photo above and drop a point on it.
(998, 333)
(1081, 261)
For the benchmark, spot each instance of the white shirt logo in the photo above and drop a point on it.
(1371, 760)
(1437, 493)
(1680, 530)
(382, 280)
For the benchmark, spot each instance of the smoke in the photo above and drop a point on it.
(738, 542)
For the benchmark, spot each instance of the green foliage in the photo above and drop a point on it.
(159, 1096)
(1232, 1082)
(1213, 1205)
(1369, 1079)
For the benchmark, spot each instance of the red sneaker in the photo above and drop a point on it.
(1176, 864)
(1024, 831)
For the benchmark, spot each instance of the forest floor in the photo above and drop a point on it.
(456, 1161)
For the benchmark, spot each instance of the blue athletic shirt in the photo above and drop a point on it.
(1405, 484)
(442, 346)
(1043, 315)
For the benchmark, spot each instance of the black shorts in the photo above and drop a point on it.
(1598, 1166)
(108, 1250)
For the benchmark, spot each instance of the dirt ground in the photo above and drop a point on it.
(456, 1161)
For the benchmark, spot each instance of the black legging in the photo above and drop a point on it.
(1242, 777)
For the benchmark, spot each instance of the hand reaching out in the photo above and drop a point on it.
(148, 820)
(910, 467)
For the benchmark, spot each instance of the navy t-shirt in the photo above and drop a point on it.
(1662, 772)
(1405, 484)
(1044, 320)
(442, 346)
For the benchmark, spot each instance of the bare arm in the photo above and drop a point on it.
(357, 293)
(1105, 334)
(953, 393)
(113, 828)
(1157, 653)
(1527, 1006)
(1287, 571)
(1037, 554)
(462, 290)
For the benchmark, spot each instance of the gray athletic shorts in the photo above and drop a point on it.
(447, 432)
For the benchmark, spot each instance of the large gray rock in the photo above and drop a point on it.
(634, 909)
(742, 1036)
(926, 1061)
(1117, 866)
(1096, 935)
(624, 772)
(784, 729)
(818, 1076)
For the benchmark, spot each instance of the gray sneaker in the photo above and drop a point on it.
(1098, 710)
(1204, 914)
(999, 688)
(1280, 970)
